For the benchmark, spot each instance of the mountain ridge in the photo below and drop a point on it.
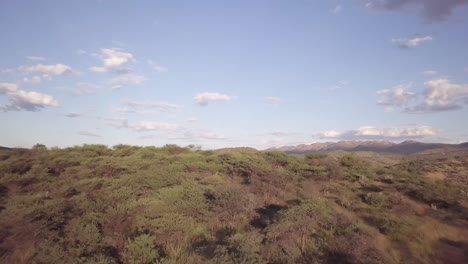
(405, 147)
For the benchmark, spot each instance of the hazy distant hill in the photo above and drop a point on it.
(406, 147)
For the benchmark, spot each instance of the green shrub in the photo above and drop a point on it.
(239, 248)
(141, 250)
(386, 224)
(277, 158)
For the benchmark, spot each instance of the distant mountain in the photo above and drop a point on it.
(406, 147)
(4, 148)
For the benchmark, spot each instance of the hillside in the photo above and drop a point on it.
(126, 204)
(406, 147)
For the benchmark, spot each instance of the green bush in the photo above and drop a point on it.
(141, 250)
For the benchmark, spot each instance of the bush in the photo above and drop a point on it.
(387, 225)
(374, 199)
(277, 158)
(141, 250)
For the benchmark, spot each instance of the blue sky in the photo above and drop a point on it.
(232, 73)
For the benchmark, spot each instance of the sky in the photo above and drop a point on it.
(218, 74)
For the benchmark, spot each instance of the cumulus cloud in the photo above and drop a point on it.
(381, 133)
(441, 95)
(397, 96)
(432, 10)
(72, 115)
(405, 43)
(88, 134)
(207, 97)
(438, 95)
(53, 69)
(24, 100)
(127, 79)
(141, 107)
(112, 59)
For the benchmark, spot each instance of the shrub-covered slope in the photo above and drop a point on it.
(94, 204)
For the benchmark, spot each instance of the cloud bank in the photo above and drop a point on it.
(438, 95)
(23, 100)
(380, 133)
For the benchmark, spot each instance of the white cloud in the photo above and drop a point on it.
(329, 134)
(33, 80)
(35, 58)
(191, 120)
(381, 133)
(279, 133)
(127, 79)
(429, 73)
(274, 100)
(24, 100)
(72, 115)
(6, 88)
(112, 59)
(397, 96)
(337, 9)
(199, 135)
(438, 95)
(207, 97)
(56, 69)
(411, 43)
(140, 107)
(441, 95)
(144, 125)
(158, 68)
(88, 134)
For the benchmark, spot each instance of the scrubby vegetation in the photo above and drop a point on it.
(127, 204)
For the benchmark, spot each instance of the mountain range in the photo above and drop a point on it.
(405, 147)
